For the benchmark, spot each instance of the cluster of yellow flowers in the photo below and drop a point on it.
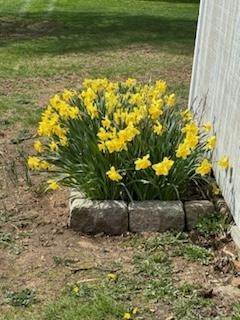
(127, 120)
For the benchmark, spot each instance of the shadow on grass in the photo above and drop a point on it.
(66, 32)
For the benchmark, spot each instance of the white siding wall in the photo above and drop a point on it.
(215, 87)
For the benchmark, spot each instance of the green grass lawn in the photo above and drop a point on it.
(48, 45)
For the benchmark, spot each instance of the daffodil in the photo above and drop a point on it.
(211, 143)
(187, 115)
(135, 311)
(103, 134)
(204, 168)
(113, 174)
(43, 165)
(106, 123)
(183, 151)
(207, 126)
(161, 87)
(130, 82)
(215, 189)
(53, 185)
(190, 128)
(33, 163)
(171, 100)
(38, 146)
(127, 316)
(158, 128)
(142, 163)
(191, 140)
(155, 109)
(75, 290)
(163, 168)
(112, 277)
(53, 146)
(224, 162)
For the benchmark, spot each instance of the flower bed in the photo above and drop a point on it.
(124, 141)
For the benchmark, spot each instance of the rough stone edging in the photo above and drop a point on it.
(117, 217)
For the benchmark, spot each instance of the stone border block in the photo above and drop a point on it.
(196, 210)
(93, 217)
(156, 216)
(116, 217)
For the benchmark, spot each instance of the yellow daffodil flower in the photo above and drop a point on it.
(191, 140)
(142, 163)
(135, 311)
(112, 277)
(129, 82)
(187, 115)
(224, 162)
(127, 316)
(53, 185)
(161, 87)
(53, 146)
(204, 167)
(75, 290)
(38, 146)
(43, 165)
(211, 143)
(170, 100)
(163, 168)
(106, 123)
(113, 174)
(190, 128)
(207, 126)
(215, 189)
(183, 151)
(158, 128)
(33, 163)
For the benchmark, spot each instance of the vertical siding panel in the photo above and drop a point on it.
(216, 80)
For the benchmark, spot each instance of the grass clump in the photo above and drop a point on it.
(5, 239)
(212, 225)
(85, 302)
(22, 298)
(194, 252)
(236, 312)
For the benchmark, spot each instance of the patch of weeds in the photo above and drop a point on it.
(4, 123)
(86, 303)
(192, 307)
(155, 275)
(212, 225)
(236, 312)
(187, 288)
(58, 261)
(16, 249)
(61, 261)
(7, 242)
(5, 239)
(152, 265)
(194, 253)
(40, 190)
(23, 298)
(159, 288)
(22, 136)
(5, 216)
(82, 291)
(165, 240)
